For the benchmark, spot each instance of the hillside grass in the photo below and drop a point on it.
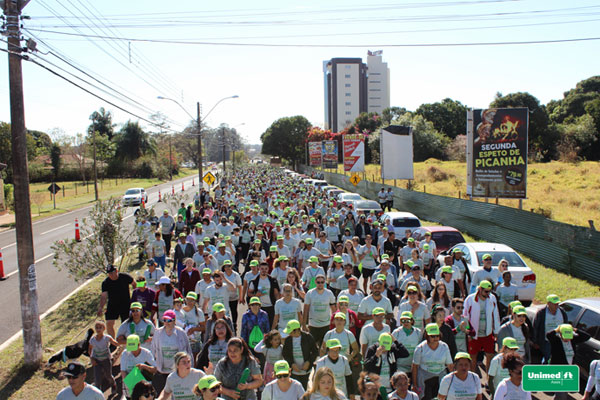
(564, 192)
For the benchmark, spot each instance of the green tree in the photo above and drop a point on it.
(391, 113)
(578, 138)
(427, 141)
(448, 116)
(102, 123)
(542, 140)
(33, 147)
(133, 143)
(286, 138)
(55, 160)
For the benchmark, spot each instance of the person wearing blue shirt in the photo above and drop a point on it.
(254, 316)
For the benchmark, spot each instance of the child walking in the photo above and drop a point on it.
(99, 350)
(271, 346)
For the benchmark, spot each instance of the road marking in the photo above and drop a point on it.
(54, 229)
(35, 262)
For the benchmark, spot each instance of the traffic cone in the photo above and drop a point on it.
(77, 235)
(193, 184)
(143, 203)
(182, 188)
(159, 198)
(172, 189)
(2, 277)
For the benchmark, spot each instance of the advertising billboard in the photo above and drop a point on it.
(330, 154)
(354, 153)
(314, 154)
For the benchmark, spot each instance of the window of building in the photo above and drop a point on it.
(348, 113)
(347, 85)
(348, 94)
(347, 76)
(348, 121)
(347, 66)
(348, 103)
(375, 81)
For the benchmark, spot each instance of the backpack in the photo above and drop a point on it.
(255, 337)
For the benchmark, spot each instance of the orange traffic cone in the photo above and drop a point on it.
(77, 235)
(193, 184)
(172, 189)
(159, 198)
(2, 277)
(143, 203)
(182, 188)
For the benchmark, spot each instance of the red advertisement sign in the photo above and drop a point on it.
(314, 154)
(354, 153)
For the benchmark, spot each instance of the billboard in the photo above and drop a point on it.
(330, 154)
(314, 154)
(354, 153)
(497, 152)
(396, 152)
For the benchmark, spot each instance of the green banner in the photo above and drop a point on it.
(551, 378)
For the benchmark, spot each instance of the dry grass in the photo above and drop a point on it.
(566, 191)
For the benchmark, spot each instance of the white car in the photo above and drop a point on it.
(348, 198)
(319, 183)
(401, 221)
(134, 196)
(522, 276)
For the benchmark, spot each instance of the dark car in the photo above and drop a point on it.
(367, 206)
(444, 236)
(583, 314)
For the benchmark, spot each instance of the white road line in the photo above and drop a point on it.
(36, 261)
(54, 229)
(10, 245)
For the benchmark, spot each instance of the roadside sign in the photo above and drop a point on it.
(209, 178)
(54, 188)
(355, 179)
(551, 378)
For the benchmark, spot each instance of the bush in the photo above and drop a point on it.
(436, 175)
(457, 150)
(9, 198)
(427, 142)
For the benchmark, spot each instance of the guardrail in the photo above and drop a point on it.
(571, 249)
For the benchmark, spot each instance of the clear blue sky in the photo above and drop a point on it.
(273, 82)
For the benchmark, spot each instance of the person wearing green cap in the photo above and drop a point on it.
(300, 351)
(518, 329)
(136, 324)
(310, 273)
(135, 355)
(410, 337)
(319, 305)
(193, 322)
(381, 358)
(563, 343)
(430, 361)
(266, 289)
(280, 269)
(208, 388)
(224, 253)
(307, 253)
(511, 387)
(414, 304)
(286, 308)
(334, 273)
(496, 372)
(406, 252)
(481, 310)
(488, 273)
(144, 295)
(346, 338)
(218, 292)
(370, 333)
(283, 387)
(282, 248)
(339, 365)
(546, 320)
(332, 230)
(203, 284)
(369, 257)
(461, 384)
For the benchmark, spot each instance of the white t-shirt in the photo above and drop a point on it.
(264, 287)
(128, 361)
(280, 275)
(298, 356)
(496, 369)
(506, 294)
(340, 370)
(89, 393)
(217, 295)
(272, 391)
(354, 299)
(182, 387)
(457, 389)
(287, 311)
(201, 286)
(432, 361)
(552, 321)
(319, 310)
(140, 330)
(152, 278)
(310, 273)
(419, 315)
(335, 273)
(237, 281)
(595, 375)
(368, 261)
(411, 342)
(482, 275)
(367, 305)
(507, 390)
(345, 337)
(369, 335)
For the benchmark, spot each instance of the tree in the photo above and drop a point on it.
(106, 240)
(449, 117)
(391, 113)
(133, 142)
(541, 139)
(102, 123)
(33, 147)
(427, 141)
(286, 138)
(55, 159)
(78, 148)
(578, 138)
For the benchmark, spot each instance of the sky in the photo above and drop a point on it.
(270, 54)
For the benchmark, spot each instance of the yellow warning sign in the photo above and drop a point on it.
(355, 179)
(209, 179)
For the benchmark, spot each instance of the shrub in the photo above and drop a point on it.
(436, 175)
(457, 150)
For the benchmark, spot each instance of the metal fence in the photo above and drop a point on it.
(571, 249)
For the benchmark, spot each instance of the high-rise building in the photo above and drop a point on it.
(345, 81)
(378, 83)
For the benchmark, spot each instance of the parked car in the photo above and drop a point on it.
(327, 188)
(333, 193)
(583, 314)
(366, 206)
(348, 198)
(319, 183)
(522, 276)
(401, 221)
(443, 236)
(134, 196)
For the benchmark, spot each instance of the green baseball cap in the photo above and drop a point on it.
(272, 248)
(136, 305)
(338, 259)
(206, 239)
(218, 307)
(227, 262)
(257, 241)
(283, 258)
(313, 259)
(254, 300)
(406, 315)
(378, 311)
(486, 256)
(343, 299)
(411, 240)
(208, 382)
(382, 277)
(412, 288)
(192, 295)
(510, 342)
(133, 343)
(447, 270)
(385, 256)
(566, 331)
(514, 303)
(291, 326)
(340, 315)
(432, 329)
(426, 246)
(279, 237)
(457, 250)
(462, 354)
(553, 298)
(140, 284)
(519, 310)
(254, 263)
(410, 263)
(222, 244)
(309, 241)
(333, 344)
(182, 235)
(386, 340)
(206, 271)
(281, 367)
(485, 284)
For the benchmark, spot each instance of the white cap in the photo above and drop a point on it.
(164, 280)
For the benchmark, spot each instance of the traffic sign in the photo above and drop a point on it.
(355, 179)
(54, 188)
(209, 179)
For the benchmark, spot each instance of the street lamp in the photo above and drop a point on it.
(199, 126)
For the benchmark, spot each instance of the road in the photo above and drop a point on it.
(53, 285)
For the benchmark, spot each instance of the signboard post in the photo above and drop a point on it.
(354, 153)
(209, 178)
(497, 153)
(314, 154)
(54, 188)
(330, 154)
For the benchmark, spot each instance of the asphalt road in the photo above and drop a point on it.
(53, 285)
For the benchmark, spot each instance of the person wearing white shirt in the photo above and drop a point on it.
(511, 388)
(461, 384)
(488, 273)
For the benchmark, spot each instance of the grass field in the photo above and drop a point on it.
(563, 192)
(77, 194)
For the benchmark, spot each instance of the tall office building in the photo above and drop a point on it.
(378, 83)
(345, 81)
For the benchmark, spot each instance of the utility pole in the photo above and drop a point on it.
(223, 140)
(199, 128)
(32, 334)
(95, 169)
(170, 160)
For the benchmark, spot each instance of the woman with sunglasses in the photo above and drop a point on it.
(517, 328)
(511, 387)
(430, 361)
(208, 388)
(462, 383)
(284, 387)
(496, 372)
(410, 337)
(143, 390)
(229, 371)
(181, 382)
